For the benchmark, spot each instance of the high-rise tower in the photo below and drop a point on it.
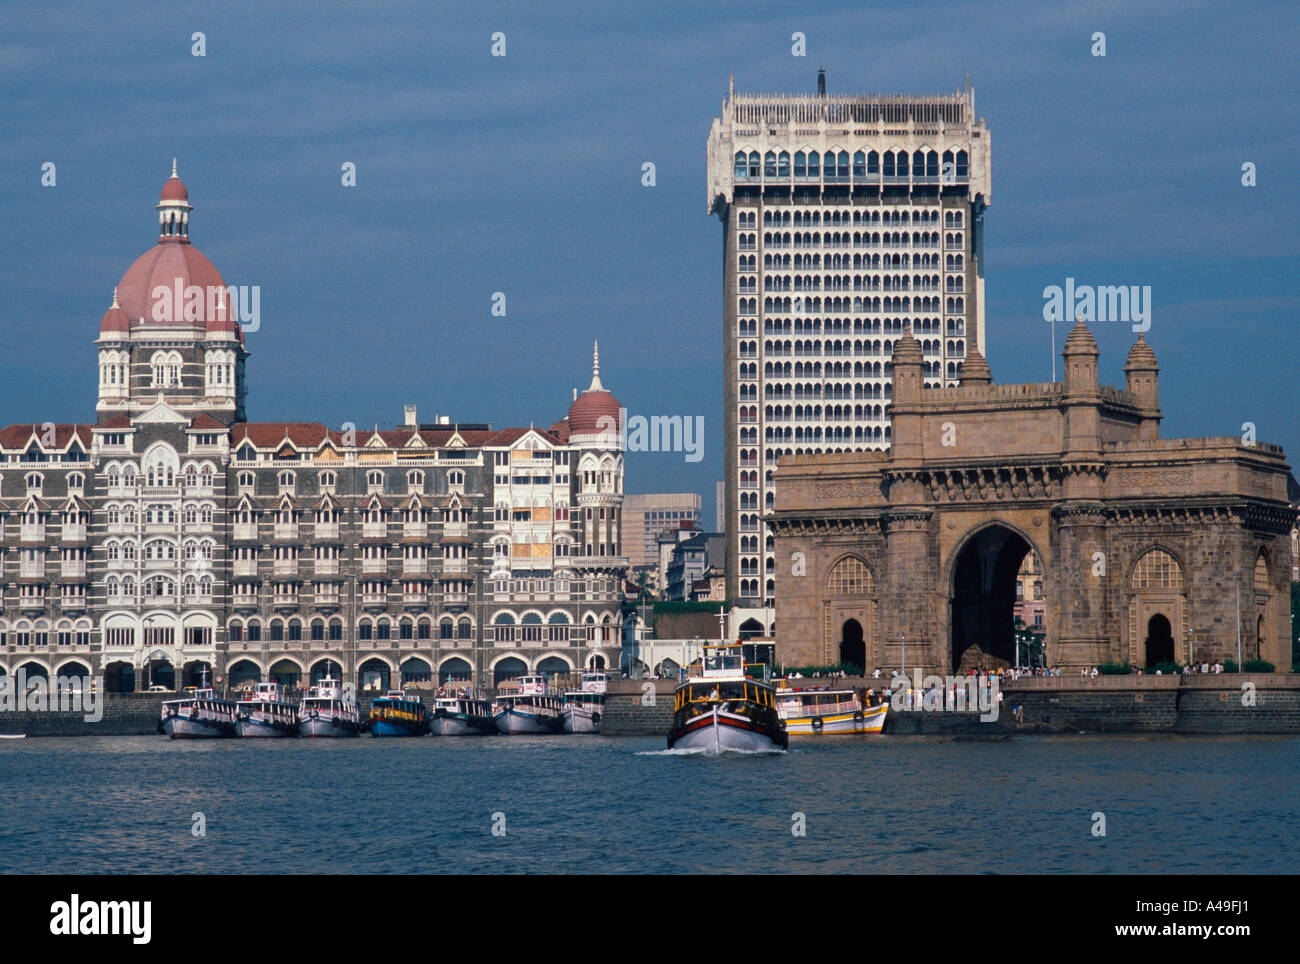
(846, 219)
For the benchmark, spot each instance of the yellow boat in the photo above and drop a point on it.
(813, 712)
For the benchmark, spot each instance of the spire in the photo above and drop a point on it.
(595, 386)
(114, 304)
(174, 174)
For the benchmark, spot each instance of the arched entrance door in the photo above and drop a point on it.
(1160, 640)
(984, 598)
(853, 649)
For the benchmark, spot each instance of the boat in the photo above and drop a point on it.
(201, 714)
(461, 714)
(398, 713)
(534, 707)
(728, 706)
(13, 736)
(584, 707)
(266, 713)
(326, 711)
(817, 712)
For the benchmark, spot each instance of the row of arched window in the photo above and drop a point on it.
(925, 166)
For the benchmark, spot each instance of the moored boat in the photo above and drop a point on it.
(812, 712)
(463, 714)
(326, 711)
(533, 708)
(584, 707)
(398, 713)
(725, 707)
(200, 715)
(266, 713)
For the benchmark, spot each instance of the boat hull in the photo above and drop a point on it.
(581, 719)
(325, 726)
(870, 720)
(717, 730)
(514, 721)
(459, 724)
(257, 729)
(396, 728)
(184, 728)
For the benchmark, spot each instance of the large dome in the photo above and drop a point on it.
(157, 288)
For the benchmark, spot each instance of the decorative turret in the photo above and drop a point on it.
(1141, 378)
(1080, 356)
(174, 210)
(975, 370)
(908, 365)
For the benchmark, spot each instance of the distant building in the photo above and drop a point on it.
(688, 560)
(1031, 603)
(645, 516)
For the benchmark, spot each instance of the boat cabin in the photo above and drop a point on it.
(799, 703)
(703, 694)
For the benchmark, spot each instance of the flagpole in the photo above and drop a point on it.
(1239, 629)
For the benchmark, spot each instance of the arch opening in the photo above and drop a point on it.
(987, 588)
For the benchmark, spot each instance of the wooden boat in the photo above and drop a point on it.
(398, 713)
(727, 706)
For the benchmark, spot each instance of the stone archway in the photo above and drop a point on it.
(1159, 640)
(853, 646)
(984, 576)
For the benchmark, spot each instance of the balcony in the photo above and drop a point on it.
(327, 599)
(415, 567)
(415, 530)
(245, 597)
(374, 566)
(416, 600)
(74, 570)
(326, 567)
(379, 599)
(32, 532)
(286, 533)
(285, 568)
(374, 530)
(74, 533)
(246, 531)
(285, 598)
(326, 531)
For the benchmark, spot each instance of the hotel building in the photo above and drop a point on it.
(172, 538)
(846, 219)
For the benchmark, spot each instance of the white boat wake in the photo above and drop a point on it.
(711, 752)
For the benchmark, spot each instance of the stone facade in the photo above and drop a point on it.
(1149, 545)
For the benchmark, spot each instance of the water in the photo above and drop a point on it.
(592, 804)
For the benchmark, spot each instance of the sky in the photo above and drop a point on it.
(522, 174)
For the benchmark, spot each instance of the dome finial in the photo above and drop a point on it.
(174, 174)
(114, 304)
(595, 386)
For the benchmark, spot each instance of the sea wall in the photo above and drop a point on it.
(1215, 704)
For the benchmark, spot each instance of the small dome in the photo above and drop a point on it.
(907, 349)
(174, 189)
(595, 411)
(115, 320)
(1140, 357)
(1080, 341)
(975, 369)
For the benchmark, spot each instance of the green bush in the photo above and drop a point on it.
(1167, 667)
(1249, 666)
(1115, 669)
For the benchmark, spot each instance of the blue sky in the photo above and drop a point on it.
(522, 174)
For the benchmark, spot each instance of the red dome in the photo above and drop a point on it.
(165, 266)
(115, 320)
(594, 412)
(174, 190)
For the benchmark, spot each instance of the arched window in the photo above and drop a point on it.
(1157, 569)
(850, 577)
